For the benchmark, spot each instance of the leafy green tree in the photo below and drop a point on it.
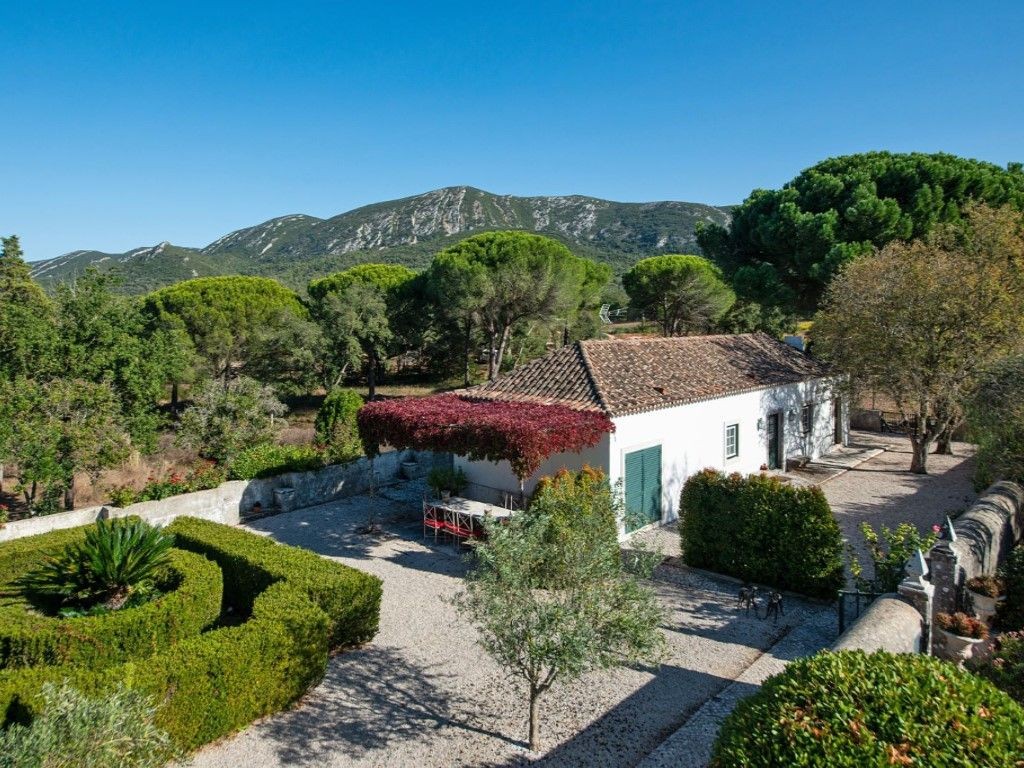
(750, 317)
(58, 429)
(103, 337)
(115, 731)
(552, 602)
(358, 311)
(336, 426)
(686, 294)
(223, 419)
(920, 321)
(785, 245)
(500, 281)
(27, 334)
(889, 550)
(995, 414)
(229, 320)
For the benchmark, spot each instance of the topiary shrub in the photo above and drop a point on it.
(267, 460)
(851, 709)
(296, 606)
(252, 563)
(191, 603)
(761, 530)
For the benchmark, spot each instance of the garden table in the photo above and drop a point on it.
(462, 518)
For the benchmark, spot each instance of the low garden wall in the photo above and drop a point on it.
(230, 501)
(889, 624)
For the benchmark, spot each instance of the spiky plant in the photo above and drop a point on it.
(114, 561)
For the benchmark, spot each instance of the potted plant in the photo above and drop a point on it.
(960, 633)
(986, 594)
(446, 482)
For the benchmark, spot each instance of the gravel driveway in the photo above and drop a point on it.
(423, 693)
(882, 491)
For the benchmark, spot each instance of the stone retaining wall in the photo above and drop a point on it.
(889, 624)
(228, 502)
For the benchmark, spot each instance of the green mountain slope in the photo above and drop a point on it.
(408, 231)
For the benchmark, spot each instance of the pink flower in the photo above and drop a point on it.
(936, 529)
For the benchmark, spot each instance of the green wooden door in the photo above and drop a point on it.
(643, 487)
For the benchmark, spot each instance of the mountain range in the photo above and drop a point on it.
(297, 248)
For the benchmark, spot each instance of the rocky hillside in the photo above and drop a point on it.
(409, 231)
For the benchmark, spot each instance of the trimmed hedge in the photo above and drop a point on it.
(217, 682)
(851, 709)
(29, 639)
(251, 563)
(761, 530)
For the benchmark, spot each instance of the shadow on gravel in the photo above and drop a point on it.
(371, 699)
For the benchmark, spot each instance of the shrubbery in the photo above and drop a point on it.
(296, 606)
(761, 530)
(205, 475)
(1011, 611)
(1005, 666)
(250, 563)
(109, 732)
(851, 709)
(267, 460)
(336, 426)
(192, 602)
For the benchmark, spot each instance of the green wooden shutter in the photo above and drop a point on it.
(643, 486)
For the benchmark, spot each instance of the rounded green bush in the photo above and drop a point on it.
(759, 529)
(192, 602)
(856, 710)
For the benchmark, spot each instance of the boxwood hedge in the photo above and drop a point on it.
(213, 683)
(251, 563)
(855, 710)
(761, 530)
(191, 604)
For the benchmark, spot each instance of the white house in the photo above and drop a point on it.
(679, 405)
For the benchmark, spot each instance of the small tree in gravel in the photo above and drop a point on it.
(224, 419)
(552, 606)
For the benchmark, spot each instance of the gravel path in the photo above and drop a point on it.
(423, 693)
(882, 491)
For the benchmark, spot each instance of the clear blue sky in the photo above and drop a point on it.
(128, 124)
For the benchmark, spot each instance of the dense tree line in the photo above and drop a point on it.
(785, 245)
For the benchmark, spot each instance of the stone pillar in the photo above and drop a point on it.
(917, 590)
(944, 568)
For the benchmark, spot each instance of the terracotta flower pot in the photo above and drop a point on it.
(957, 647)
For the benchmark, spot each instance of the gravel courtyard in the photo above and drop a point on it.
(423, 694)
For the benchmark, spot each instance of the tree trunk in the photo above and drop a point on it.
(371, 378)
(534, 718)
(490, 354)
(1, 477)
(919, 460)
(174, 398)
(944, 442)
(506, 333)
(69, 495)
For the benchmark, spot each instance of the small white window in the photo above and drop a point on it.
(807, 418)
(732, 441)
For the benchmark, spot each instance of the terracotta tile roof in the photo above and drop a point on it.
(624, 376)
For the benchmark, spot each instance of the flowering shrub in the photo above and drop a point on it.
(989, 586)
(524, 434)
(961, 624)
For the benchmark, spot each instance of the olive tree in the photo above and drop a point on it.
(551, 599)
(920, 320)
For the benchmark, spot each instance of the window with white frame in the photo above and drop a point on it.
(732, 441)
(807, 418)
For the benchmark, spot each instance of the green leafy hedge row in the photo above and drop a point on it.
(192, 603)
(851, 709)
(251, 563)
(268, 460)
(759, 529)
(298, 605)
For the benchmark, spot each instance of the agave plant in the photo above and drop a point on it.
(116, 560)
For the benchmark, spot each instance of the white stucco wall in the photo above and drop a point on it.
(692, 437)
